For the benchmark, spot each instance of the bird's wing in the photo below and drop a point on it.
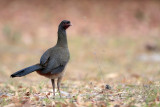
(53, 66)
(52, 60)
(58, 69)
(45, 57)
(52, 63)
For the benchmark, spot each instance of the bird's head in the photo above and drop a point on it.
(65, 24)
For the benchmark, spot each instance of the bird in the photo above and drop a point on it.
(53, 61)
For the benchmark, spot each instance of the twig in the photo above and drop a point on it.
(100, 69)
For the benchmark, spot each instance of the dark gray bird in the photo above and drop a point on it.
(53, 61)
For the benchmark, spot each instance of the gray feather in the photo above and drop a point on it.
(26, 71)
(58, 69)
(45, 57)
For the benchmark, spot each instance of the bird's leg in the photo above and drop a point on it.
(58, 85)
(53, 85)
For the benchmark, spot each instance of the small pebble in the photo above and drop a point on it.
(108, 87)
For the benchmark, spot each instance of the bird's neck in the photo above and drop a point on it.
(62, 38)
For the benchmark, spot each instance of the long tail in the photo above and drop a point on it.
(27, 70)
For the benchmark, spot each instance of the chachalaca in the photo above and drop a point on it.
(53, 61)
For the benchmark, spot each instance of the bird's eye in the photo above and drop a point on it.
(68, 22)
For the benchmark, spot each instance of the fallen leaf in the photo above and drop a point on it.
(3, 96)
(27, 93)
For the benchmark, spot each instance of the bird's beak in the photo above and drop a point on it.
(70, 24)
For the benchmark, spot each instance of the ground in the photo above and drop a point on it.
(103, 71)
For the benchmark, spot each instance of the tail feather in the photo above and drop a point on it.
(27, 70)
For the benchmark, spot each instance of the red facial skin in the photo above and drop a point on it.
(66, 26)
